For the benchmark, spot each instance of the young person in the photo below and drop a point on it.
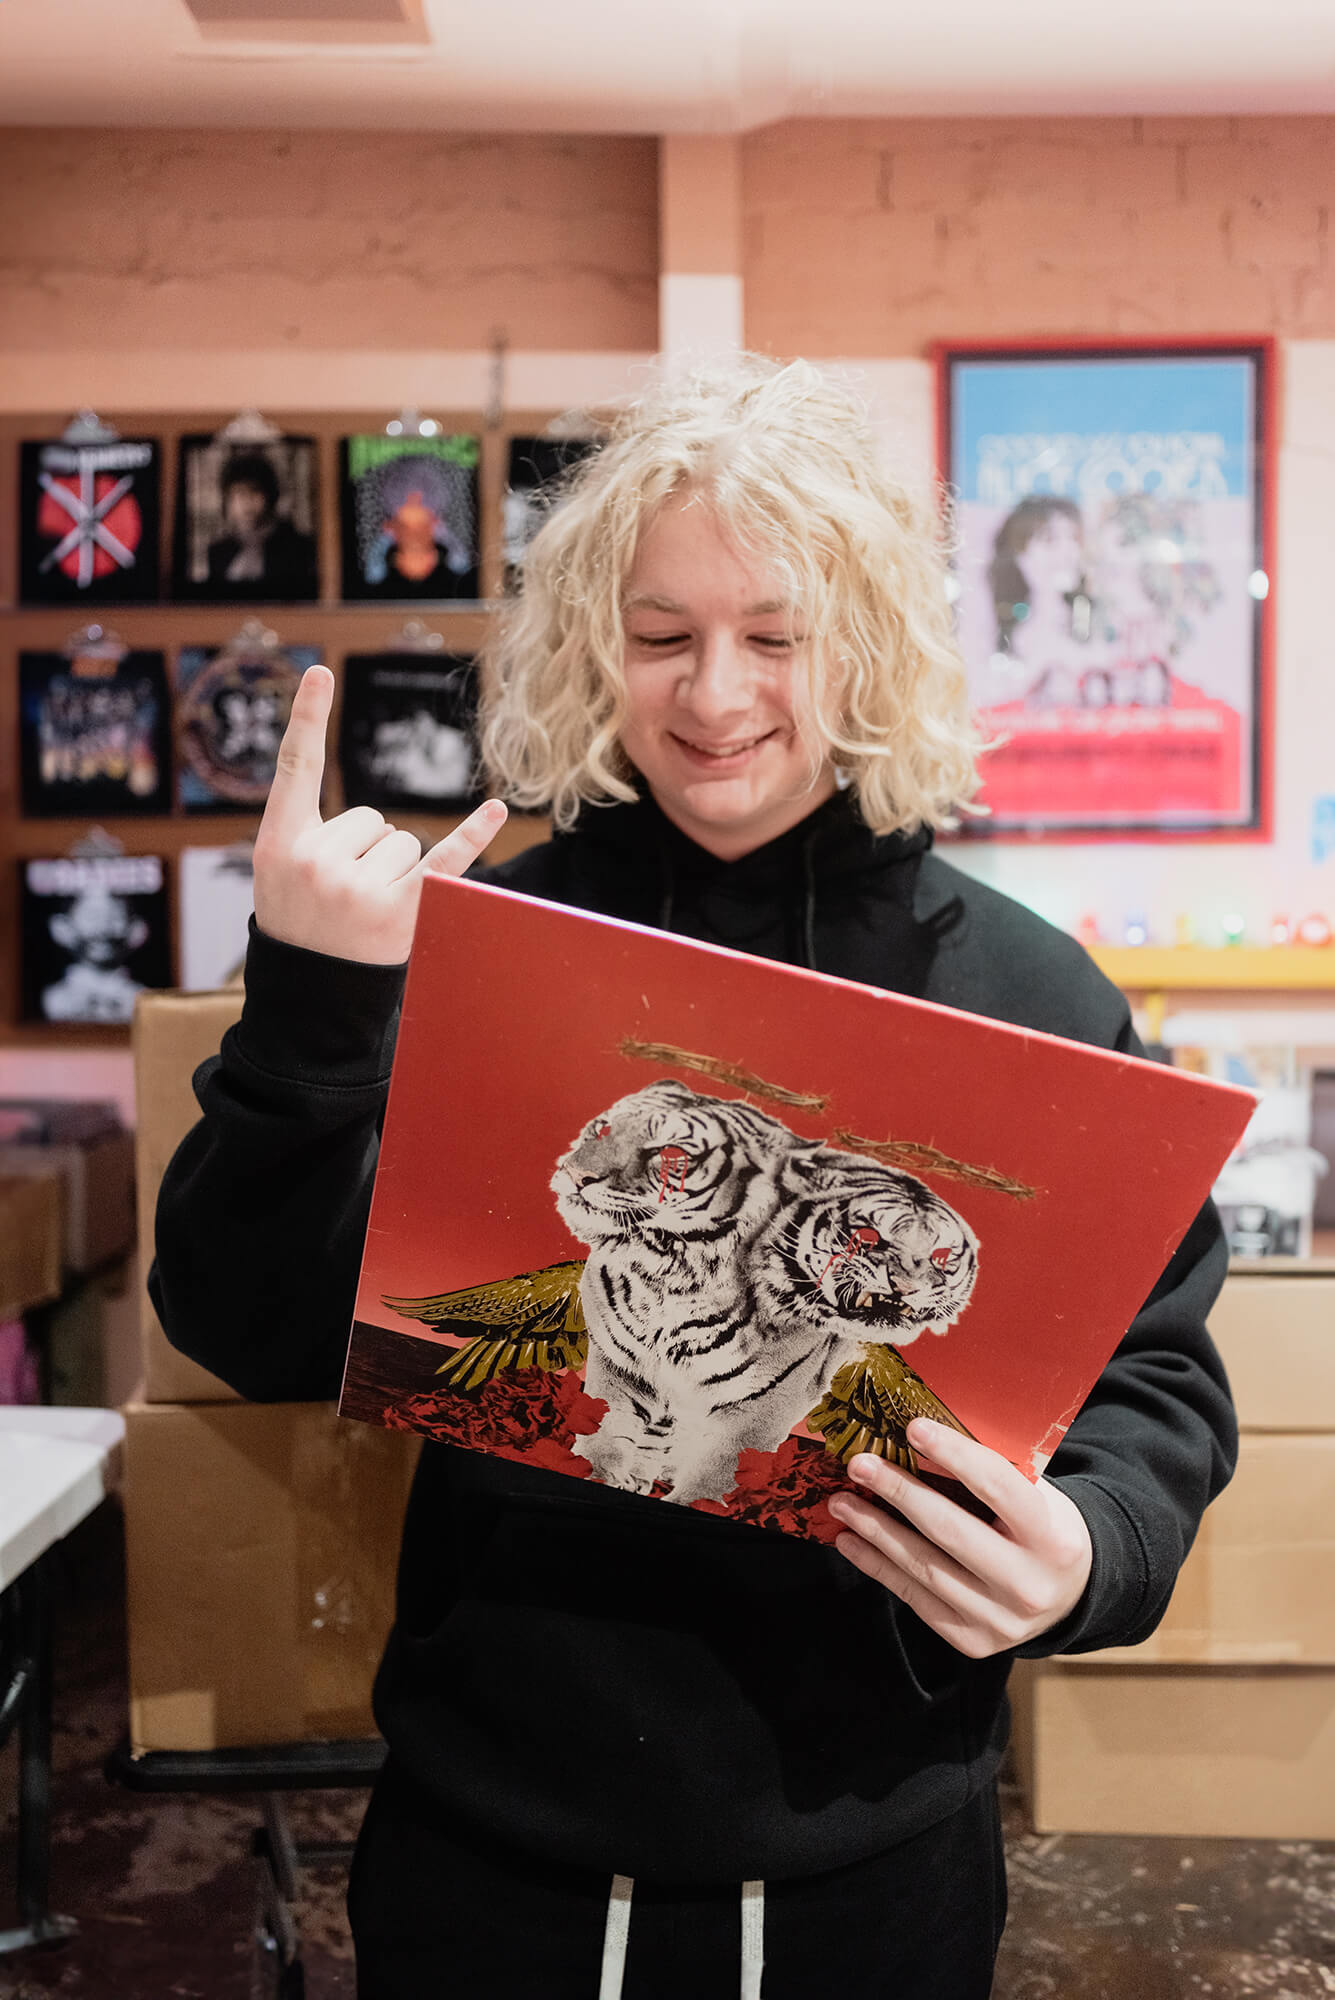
(633, 1751)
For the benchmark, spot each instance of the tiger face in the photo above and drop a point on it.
(667, 1158)
(869, 1253)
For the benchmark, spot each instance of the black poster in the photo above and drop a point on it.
(538, 470)
(408, 733)
(88, 522)
(93, 935)
(94, 734)
(409, 517)
(246, 520)
(232, 706)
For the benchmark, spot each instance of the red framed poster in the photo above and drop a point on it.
(1114, 581)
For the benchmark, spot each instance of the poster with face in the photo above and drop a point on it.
(408, 734)
(93, 935)
(232, 706)
(94, 734)
(216, 890)
(537, 473)
(88, 521)
(1110, 577)
(409, 514)
(246, 520)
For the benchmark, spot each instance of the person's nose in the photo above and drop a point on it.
(718, 684)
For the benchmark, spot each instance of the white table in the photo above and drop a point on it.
(55, 1467)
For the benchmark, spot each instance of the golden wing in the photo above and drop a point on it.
(537, 1321)
(870, 1404)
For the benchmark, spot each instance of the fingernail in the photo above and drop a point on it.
(923, 1431)
(862, 1468)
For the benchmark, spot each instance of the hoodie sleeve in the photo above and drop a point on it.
(262, 1213)
(1153, 1445)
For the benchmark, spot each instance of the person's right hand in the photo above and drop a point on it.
(348, 886)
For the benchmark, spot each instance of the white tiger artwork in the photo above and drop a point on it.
(732, 1267)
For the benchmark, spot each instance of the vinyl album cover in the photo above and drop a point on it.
(232, 705)
(93, 934)
(246, 520)
(409, 514)
(702, 1226)
(538, 467)
(216, 890)
(408, 731)
(89, 521)
(94, 733)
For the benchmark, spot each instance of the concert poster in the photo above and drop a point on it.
(537, 470)
(93, 934)
(247, 516)
(232, 706)
(216, 892)
(1112, 574)
(409, 514)
(408, 735)
(89, 521)
(94, 733)
(702, 1226)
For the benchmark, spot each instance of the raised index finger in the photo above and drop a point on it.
(294, 796)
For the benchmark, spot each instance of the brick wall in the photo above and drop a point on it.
(324, 240)
(877, 236)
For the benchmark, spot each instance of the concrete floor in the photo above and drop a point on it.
(165, 1890)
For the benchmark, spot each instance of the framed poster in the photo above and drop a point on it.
(408, 735)
(94, 731)
(216, 893)
(409, 515)
(93, 932)
(246, 514)
(1113, 579)
(88, 520)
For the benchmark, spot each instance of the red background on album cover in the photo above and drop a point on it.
(512, 1018)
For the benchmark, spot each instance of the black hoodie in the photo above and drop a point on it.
(587, 1674)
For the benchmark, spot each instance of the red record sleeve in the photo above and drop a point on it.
(671, 1218)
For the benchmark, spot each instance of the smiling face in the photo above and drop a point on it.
(713, 686)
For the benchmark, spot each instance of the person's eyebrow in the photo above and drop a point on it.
(770, 608)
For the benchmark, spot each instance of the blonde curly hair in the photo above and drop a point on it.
(785, 458)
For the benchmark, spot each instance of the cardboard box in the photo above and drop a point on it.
(1247, 1753)
(173, 1034)
(261, 1545)
(31, 1235)
(1276, 1333)
(98, 1179)
(1259, 1585)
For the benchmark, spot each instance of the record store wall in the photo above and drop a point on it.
(330, 279)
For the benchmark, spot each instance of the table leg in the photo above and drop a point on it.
(29, 1606)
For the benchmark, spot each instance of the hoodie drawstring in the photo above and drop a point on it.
(617, 1933)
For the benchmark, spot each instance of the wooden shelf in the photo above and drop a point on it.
(1233, 968)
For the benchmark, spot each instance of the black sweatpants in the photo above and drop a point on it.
(438, 1913)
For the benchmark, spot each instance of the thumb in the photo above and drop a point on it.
(461, 847)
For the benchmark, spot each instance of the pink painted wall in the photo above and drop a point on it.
(320, 240)
(877, 236)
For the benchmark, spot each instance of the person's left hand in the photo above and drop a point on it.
(983, 1585)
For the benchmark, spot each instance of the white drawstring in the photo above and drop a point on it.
(753, 1938)
(617, 1933)
(614, 1938)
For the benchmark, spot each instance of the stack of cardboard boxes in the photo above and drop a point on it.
(1224, 1721)
(261, 1538)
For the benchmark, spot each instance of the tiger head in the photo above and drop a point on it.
(666, 1158)
(868, 1252)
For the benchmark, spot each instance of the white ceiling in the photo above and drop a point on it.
(661, 65)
